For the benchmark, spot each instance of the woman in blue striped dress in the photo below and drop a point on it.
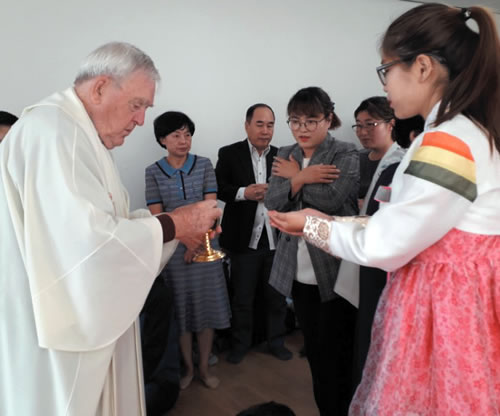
(200, 294)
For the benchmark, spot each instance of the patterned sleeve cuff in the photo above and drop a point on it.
(317, 232)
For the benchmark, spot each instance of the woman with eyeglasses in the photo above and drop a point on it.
(320, 172)
(374, 127)
(435, 346)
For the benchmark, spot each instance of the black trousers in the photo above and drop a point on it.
(160, 349)
(249, 279)
(371, 285)
(328, 329)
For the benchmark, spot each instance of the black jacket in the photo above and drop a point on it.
(234, 170)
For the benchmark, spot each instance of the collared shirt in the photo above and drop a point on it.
(173, 187)
(261, 220)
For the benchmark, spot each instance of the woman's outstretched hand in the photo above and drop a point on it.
(293, 222)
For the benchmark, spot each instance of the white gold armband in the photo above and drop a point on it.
(317, 232)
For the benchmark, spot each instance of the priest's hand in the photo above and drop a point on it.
(193, 221)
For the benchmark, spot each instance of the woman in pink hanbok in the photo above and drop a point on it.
(435, 347)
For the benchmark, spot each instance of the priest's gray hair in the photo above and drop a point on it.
(117, 60)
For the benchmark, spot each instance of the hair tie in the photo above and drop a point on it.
(466, 13)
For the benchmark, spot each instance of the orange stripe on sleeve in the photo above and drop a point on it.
(448, 142)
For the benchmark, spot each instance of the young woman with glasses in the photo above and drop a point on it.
(374, 127)
(321, 172)
(435, 346)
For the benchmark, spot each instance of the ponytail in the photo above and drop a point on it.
(475, 92)
(472, 59)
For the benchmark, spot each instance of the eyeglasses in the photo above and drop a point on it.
(369, 125)
(310, 125)
(383, 69)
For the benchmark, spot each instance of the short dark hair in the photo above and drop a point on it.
(377, 107)
(7, 119)
(267, 409)
(169, 122)
(251, 110)
(312, 101)
(404, 127)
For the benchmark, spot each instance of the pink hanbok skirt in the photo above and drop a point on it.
(435, 346)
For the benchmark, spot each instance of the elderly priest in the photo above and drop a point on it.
(75, 264)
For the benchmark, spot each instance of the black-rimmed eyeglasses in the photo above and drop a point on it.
(310, 125)
(383, 69)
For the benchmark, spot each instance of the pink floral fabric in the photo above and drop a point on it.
(435, 347)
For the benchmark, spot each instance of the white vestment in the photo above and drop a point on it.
(75, 269)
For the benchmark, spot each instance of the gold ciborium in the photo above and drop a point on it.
(208, 254)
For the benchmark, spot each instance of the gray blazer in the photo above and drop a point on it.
(336, 198)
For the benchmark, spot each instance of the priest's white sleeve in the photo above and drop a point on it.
(168, 248)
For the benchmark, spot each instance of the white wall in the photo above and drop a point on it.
(216, 58)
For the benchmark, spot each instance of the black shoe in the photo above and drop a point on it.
(235, 356)
(281, 353)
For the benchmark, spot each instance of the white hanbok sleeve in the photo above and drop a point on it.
(432, 194)
(89, 268)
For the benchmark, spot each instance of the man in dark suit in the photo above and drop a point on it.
(243, 170)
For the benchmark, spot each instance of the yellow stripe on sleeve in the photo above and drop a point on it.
(448, 160)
